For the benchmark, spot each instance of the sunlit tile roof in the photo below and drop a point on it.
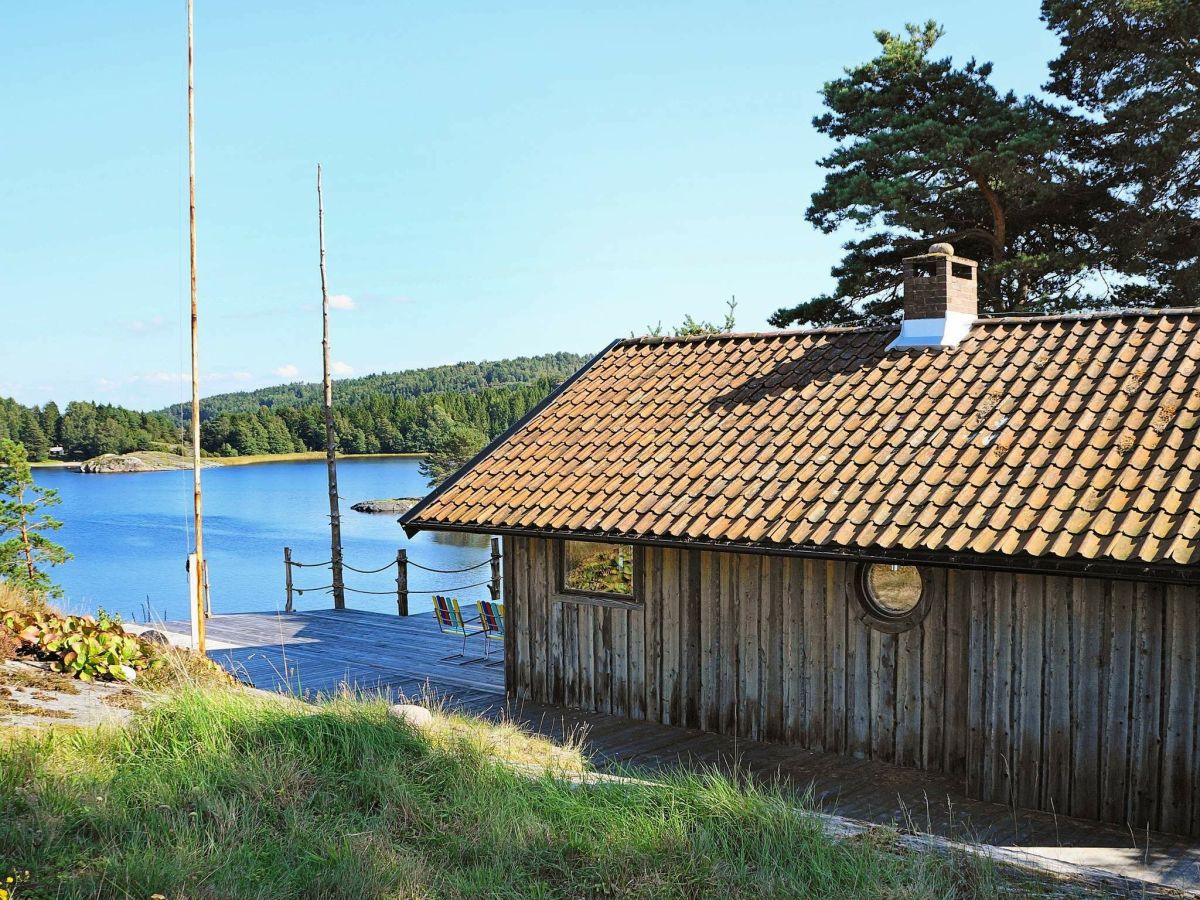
(1069, 437)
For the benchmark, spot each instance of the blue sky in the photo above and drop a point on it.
(501, 179)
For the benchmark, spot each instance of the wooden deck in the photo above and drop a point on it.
(311, 653)
(317, 652)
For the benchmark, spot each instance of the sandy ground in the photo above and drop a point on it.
(31, 696)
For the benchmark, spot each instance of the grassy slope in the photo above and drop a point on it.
(218, 793)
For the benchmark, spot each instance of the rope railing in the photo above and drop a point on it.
(346, 565)
(450, 571)
(401, 591)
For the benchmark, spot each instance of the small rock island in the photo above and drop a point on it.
(141, 461)
(393, 505)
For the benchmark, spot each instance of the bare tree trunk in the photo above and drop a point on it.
(26, 546)
(335, 518)
(198, 599)
(999, 236)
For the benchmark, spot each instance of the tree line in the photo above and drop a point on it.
(374, 424)
(84, 429)
(418, 411)
(456, 378)
(1085, 197)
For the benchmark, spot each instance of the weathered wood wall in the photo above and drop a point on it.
(1068, 694)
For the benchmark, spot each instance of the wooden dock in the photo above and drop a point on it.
(317, 652)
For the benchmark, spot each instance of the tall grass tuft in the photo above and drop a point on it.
(220, 793)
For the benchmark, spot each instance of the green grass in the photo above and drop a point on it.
(218, 793)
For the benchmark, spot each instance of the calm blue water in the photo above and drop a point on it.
(130, 535)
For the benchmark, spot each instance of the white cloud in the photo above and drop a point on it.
(342, 301)
(288, 371)
(341, 368)
(157, 377)
(177, 377)
(153, 325)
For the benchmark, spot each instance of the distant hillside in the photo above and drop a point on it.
(458, 378)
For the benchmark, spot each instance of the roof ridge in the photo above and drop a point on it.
(1129, 313)
(647, 340)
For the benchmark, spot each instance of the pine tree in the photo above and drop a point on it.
(928, 151)
(1134, 65)
(31, 435)
(452, 445)
(25, 551)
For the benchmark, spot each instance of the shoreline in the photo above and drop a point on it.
(221, 461)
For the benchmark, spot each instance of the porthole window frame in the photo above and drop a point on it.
(874, 614)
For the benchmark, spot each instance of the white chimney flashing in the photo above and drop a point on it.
(947, 332)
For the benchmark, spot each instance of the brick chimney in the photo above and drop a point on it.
(941, 299)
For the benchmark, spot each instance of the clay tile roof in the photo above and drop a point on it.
(1068, 437)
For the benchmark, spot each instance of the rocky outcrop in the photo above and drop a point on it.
(142, 461)
(113, 462)
(395, 505)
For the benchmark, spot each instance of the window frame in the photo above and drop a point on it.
(875, 615)
(566, 594)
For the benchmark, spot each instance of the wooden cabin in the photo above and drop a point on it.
(968, 545)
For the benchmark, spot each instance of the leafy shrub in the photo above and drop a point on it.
(85, 647)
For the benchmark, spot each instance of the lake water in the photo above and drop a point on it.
(130, 535)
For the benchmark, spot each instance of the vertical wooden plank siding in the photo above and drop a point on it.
(979, 673)
(933, 671)
(1146, 738)
(670, 591)
(749, 701)
(1087, 626)
(997, 762)
(691, 612)
(1179, 713)
(1117, 647)
(836, 608)
(858, 669)
(1027, 715)
(710, 642)
(1069, 694)
(813, 635)
(512, 550)
(956, 725)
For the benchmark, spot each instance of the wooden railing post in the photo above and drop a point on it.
(287, 575)
(402, 582)
(494, 585)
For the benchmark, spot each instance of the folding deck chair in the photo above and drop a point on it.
(450, 621)
(491, 617)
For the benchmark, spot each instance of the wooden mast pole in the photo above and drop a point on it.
(335, 518)
(197, 560)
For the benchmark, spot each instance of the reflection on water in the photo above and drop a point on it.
(460, 539)
(130, 535)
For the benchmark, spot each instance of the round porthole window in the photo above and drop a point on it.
(893, 597)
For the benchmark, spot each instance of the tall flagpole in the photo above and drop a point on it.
(196, 561)
(335, 517)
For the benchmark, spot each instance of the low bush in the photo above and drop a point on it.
(84, 647)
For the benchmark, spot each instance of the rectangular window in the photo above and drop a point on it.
(604, 570)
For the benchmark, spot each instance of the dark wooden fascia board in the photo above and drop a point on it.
(996, 562)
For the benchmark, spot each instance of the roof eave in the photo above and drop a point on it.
(408, 520)
(1122, 570)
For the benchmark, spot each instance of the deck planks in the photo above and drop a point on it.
(319, 651)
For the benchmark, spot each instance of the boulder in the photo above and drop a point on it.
(416, 716)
